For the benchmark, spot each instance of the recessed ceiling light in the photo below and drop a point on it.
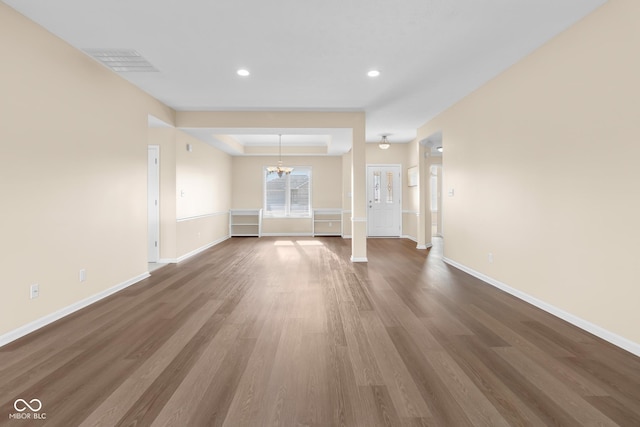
(373, 73)
(243, 73)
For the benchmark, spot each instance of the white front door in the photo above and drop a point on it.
(384, 201)
(153, 208)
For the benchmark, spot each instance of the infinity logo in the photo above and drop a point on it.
(24, 405)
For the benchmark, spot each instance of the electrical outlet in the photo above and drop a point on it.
(34, 291)
(490, 258)
(83, 275)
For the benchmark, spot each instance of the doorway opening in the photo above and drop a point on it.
(432, 224)
(435, 191)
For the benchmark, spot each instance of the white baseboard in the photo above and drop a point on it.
(50, 318)
(596, 330)
(424, 247)
(413, 239)
(200, 249)
(287, 234)
(359, 259)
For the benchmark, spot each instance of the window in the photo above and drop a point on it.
(289, 195)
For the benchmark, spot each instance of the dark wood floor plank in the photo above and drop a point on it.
(512, 409)
(112, 342)
(571, 402)
(364, 364)
(120, 401)
(29, 351)
(314, 407)
(343, 389)
(247, 405)
(359, 296)
(614, 409)
(398, 314)
(279, 408)
(335, 326)
(477, 406)
(152, 401)
(103, 361)
(386, 414)
(288, 331)
(444, 407)
(222, 387)
(442, 317)
(409, 292)
(489, 337)
(399, 382)
(537, 400)
(577, 382)
(616, 383)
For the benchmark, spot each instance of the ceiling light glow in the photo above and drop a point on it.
(384, 143)
(243, 73)
(373, 73)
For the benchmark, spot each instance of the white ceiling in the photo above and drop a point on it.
(307, 55)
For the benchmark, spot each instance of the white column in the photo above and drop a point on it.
(358, 194)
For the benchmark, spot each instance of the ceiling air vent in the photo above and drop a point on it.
(122, 60)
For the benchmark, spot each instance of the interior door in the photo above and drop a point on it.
(153, 208)
(384, 201)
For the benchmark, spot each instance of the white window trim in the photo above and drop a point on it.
(267, 214)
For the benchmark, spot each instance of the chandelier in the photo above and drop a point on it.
(279, 169)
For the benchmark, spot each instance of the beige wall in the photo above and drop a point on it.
(73, 161)
(543, 161)
(396, 154)
(203, 193)
(195, 193)
(203, 184)
(248, 182)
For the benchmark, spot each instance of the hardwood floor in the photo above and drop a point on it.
(277, 331)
